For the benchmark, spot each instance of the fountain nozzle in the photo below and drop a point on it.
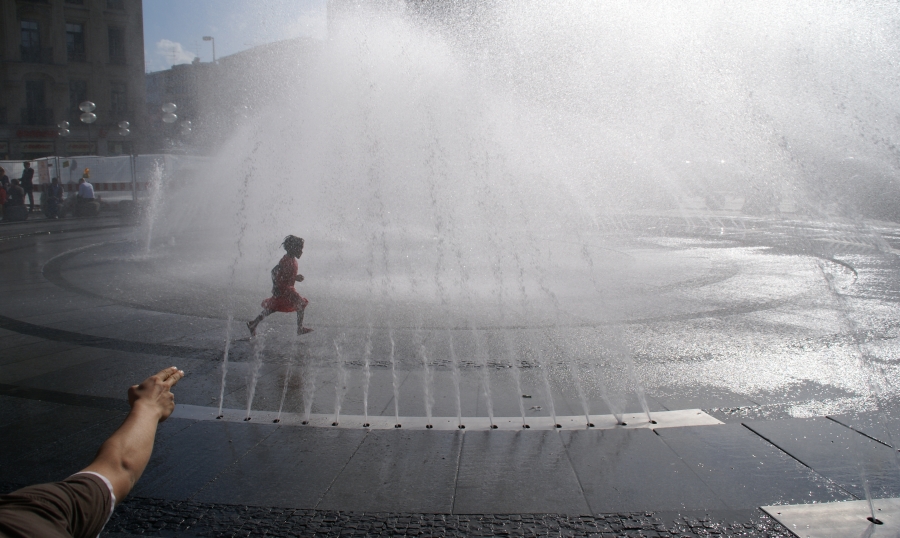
(428, 426)
(246, 419)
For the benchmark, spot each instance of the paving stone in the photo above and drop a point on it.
(626, 470)
(516, 472)
(835, 452)
(193, 457)
(744, 470)
(292, 467)
(398, 470)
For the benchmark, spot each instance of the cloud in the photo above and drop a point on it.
(173, 53)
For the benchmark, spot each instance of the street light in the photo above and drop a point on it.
(88, 117)
(169, 112)
(211, 38)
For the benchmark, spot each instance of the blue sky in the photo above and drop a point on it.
(174, 29)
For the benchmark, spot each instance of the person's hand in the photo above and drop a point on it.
(299, 278)
(154, 393)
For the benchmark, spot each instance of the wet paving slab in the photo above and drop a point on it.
(62, 337)
(625, 470)
(293, 467)
(837, 453)
(745, 470)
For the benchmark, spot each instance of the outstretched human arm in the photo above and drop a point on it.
(123, 457)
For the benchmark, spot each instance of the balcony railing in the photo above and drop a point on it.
(37, 55)
(37, 116)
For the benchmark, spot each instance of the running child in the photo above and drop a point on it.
(284, 297)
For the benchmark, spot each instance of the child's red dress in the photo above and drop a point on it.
(284, 297)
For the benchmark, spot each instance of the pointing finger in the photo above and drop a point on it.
(175, 377)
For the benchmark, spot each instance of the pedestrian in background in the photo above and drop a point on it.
(27, 182)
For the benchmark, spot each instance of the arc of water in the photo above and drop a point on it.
(155, 187)
(579, 388)
(427, 381)
(367, 373)
(225, 363)
(454, 365)
(340, 384)
(287, 376)
(482, 356)
(308, 373)
(395, 382)
(258, 346)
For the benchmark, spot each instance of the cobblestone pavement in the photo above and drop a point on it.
(152, 517)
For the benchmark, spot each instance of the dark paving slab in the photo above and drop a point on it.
(102, 342)
(187, 459)
(10, 340)
(629, 470)
(392, 471)
(516, 472)
(152, 517)
(291, 467)
(53, 444)
(881, 426)
(835, 452)
(50, 365)
(14, 409)
(31, 349)
(110, 373)
(744, 470)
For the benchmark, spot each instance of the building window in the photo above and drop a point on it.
(77, 95)
(35, 111)
(118, 98)
(116, 45)
(115, 4)
(75, 42)
(31, 42)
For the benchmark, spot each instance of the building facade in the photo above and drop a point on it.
(56, 54)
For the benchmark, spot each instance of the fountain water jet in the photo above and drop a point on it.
(427, 382)
(536, 166)
(395, 382)
(287, 376)
(367, 375)
(225, 363)
(455, 374)
(258, 347)
(340, 382)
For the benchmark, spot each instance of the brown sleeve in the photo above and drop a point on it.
(79, 507)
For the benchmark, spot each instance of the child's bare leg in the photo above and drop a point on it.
(300, 328)
(252, 324)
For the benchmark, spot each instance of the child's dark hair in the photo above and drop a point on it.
(292, 243)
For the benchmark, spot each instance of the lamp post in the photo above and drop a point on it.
(88, 117)
(211, 38)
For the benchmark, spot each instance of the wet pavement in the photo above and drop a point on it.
(784, 331)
